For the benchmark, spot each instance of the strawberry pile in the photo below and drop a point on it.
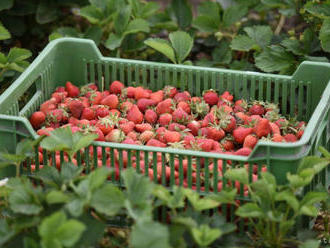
(166, 118)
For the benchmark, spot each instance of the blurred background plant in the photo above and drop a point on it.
(259, 35)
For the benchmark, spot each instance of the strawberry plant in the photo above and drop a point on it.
(15, 61)
(274, 210)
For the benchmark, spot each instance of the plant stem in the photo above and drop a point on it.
(280, 25)
(3, 71)
(17, 170)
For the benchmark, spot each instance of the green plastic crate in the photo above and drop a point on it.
(306, 93)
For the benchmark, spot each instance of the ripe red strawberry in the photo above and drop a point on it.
(102, 111)
(164, 107)
(282, 123)
(165, 119)
(215, 133)
(60, 89)
(185, 106)
(299, 133)
(301, 124)
(256, 109)
(170, 91)
(125, 106)
(205, 144)
(144, 103)
(160, 132)
(111, 101)
(203, 131)
(94, 97)
(154, 142)
(73, 91)
(116, 87)
(226, 122)
(180, 116)
(242, 118)
(227, 144)
(182, 96)
(45, 131)
(224, 108)
(262, 128)
(59, 96)
(37, 119)
(194, 127)
(100, 134)
(141, 93)
(240, 106)
(176, 127)
(48, 106)
(88, 114)
(87, 89)
(115, 112)
(211, 97)
(135, 115)
(133, 135)
(188, 141)
(290, 137)
(84, 124)
(107, 124)
(195, 99)
(254, 118)
(143, 127)
(245, 151)
(127, 127)
(278, 138)
(216, 146)
(240, 133)
(150, 116)
(157, 96)
(54, 116)
(146, 136)
(226, 96)
(86, 128)
(116, 135)
(84, 101)
(129, 141)
(76, 108)
(250, 141)
(93, 122)
(172, 136)
(274, 128)
(128, 92)
(208, 119)
(73, 121)
(105, 94)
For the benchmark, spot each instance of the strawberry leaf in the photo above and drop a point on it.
(182, 44)
(242, 43)
(162, 46)
(325, 35)
(275, 58)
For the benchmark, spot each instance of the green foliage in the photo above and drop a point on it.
(66, 209)
(15, 61)
(275, 209)
(63, 139)
(267, 35)
(24, 150)
(179, 48)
